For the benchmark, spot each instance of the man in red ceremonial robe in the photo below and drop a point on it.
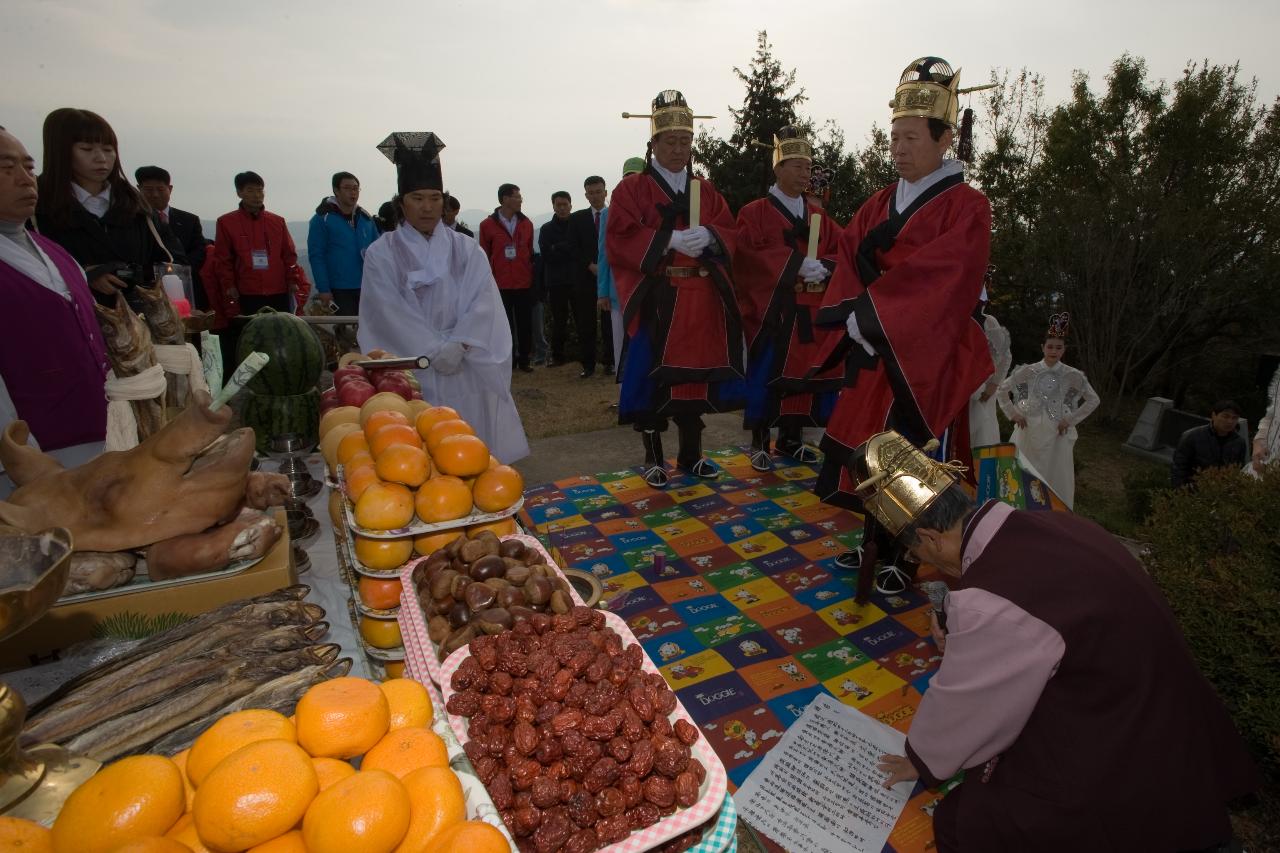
(908, 276)
(779, 289)
(684, 352)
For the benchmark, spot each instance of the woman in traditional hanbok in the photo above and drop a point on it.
(1046, 401)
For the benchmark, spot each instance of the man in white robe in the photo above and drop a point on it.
(428, 290)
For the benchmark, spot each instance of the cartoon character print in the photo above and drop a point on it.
(667, 651)
(738, 531)
(697, 585)
(797, 580)
(849, 687)
(792, 635)
(743, 572)
(843, 617)
(679, 671)
(554, 512)
(897, 601)
(919, 665)
(750, 648)
(702, 561)
(1037, 493)
(751, 547)
(827, 594)
(1009, 487)
(729, 627)
(649, 627)
(746, 596)
(791, 670)
(601, 570)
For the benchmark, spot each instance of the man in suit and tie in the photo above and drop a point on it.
(155, 186)
(585, 226)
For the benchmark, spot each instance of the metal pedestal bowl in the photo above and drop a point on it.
(34, 783)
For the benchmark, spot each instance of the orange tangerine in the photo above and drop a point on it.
(237, 729)
(501, 527)
(381, 633)
(329, 444)
(377, 420)
(385, 506)
(349, 444)
(152, 844)
(379, 593)
(185, 831)
(404, 750)
(393, 434)
(402, 463)
(493, 461)
(472, 836)
(180, 759)
(444, 429)
(409, 701)
(24, 836)
(290, 842)
(382, 555)
(368, 812)
(461, 455)
(498, 488)
(255, 794)
(330, 771)
(136, 797)
(360, 479)
(394, 668)
(429, 543)
(342, 717)
(442, 499)
(436, 804)
(382, 401)
(432, 416)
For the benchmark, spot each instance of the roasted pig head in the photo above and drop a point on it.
(184, 479)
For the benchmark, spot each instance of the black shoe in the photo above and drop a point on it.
(760, 460)
(524, 368)
(850, 560)
(892, 580)
(656, 476)
(704, 468)
(587, 374)
(608, 370)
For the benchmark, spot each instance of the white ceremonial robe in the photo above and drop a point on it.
(1047, 396)
(420, 294)
(984, 426)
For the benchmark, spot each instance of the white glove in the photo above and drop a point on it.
(811, 269)
(851, 323)
(449, 359)
(690, 242)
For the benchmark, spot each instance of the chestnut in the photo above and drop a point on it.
(518, 574)
(512, 548)
(438, 629)
(459, 614)
(537, 591)
(442, 583)
(459, 638)
(560, 602)
(479, 596)
(489, 566)
(459, 586)
(511, 597)
(495, 620)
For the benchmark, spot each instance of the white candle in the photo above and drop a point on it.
(815, 228)
(695, 202)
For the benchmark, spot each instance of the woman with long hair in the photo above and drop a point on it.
(88, 206)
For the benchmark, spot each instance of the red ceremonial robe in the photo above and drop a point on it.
(690, 358)
(912, 278)
(778, 313)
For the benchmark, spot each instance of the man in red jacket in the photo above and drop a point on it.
(507, 238)
(255, 262)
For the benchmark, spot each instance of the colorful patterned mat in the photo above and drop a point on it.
(746, 613)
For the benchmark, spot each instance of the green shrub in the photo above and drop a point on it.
(1216, 554)
(1141, 485)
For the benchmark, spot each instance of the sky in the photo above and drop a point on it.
(529, 92)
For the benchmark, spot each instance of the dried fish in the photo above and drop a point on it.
(280, 695)
(131, 733)
(121, 696)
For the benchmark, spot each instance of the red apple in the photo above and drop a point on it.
(354, 392)
(345, 374)
(395, 383)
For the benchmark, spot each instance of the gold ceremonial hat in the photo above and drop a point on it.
(901, 481)
(670, 112)
(789, 143)
(928, 89)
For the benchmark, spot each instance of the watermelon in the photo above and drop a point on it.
(297, 356)
(272, 415)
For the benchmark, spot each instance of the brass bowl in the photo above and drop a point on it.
(34, 568)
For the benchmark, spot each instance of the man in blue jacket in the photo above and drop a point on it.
(340, 232)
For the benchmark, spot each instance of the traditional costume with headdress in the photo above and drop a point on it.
(778, 301)
(684, 351)
(434, 295)
(1066, 691)
(1049, 395)
(909, 270)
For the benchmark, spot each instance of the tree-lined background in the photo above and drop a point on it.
(1148, 209)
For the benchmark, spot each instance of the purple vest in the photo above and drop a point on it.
(52, 356)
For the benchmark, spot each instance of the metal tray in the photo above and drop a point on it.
(420, 528)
